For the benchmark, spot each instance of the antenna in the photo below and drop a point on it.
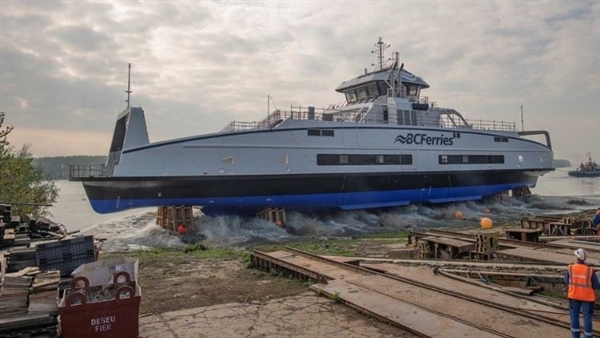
(128, 91)
(380, 50)
(522, 123)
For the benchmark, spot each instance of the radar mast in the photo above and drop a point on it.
(380, 48)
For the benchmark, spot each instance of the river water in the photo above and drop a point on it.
(556, 192)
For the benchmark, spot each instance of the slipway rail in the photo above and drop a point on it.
(419, 301)
(562, 244)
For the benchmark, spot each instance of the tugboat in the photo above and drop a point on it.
(587, 169)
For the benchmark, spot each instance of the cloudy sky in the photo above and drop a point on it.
(197, 65)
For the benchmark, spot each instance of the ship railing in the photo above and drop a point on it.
(450, 118)
(447, 118)
(492, 125)
(92, 170)
(277, 116)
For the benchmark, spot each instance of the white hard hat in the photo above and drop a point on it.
(581, 254)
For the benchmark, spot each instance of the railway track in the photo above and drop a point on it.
(458, 308)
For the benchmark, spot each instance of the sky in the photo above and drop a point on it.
(197, 65)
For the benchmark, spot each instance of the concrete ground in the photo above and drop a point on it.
(306, 315)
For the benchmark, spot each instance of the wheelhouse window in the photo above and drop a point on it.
(383, 87)
(372, 90)
(412, 90)
(366, 159)
(500, 139)
(350, 95)
(361, 93)
(471, 159)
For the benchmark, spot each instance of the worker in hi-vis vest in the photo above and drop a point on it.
(596, 220)
(581, 282)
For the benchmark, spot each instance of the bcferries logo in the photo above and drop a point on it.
(424, 139)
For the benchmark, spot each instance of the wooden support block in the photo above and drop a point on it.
(171, 217)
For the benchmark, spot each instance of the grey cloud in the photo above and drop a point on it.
(80, 38)
(198, 65)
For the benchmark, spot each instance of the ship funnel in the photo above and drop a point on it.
(130, 132)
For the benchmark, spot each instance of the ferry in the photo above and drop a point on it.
(386, 145)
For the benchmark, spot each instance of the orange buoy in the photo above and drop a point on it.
(181, 229)
(485, 223)
(458, 214)
(278, 223)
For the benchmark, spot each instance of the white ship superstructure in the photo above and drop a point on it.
(386, 145)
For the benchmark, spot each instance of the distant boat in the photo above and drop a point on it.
(586, 169)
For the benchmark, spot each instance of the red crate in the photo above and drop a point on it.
(114, 318)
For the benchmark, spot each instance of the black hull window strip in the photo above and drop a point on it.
(366, 159)
(471, 159)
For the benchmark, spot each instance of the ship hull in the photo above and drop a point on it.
(248, 194)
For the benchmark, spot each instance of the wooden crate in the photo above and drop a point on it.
(171, 217)
(275, 215)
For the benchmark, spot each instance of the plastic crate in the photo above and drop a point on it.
(56, 252)
(81, 315)
(66, 266)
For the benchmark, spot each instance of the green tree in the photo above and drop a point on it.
(21, 181)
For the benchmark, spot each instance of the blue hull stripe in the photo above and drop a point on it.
(315, 202)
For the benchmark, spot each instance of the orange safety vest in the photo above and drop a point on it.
(580, 283)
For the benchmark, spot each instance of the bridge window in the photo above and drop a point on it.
(412, 89)
(383, 87)
(350, 95)
(361, 93)
(500, 139)
(372, 90)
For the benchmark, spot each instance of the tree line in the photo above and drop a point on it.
(22, 183)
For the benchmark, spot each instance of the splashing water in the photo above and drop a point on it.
(140, 232)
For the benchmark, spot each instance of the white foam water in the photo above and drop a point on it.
(134, 231)
(140, 232)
